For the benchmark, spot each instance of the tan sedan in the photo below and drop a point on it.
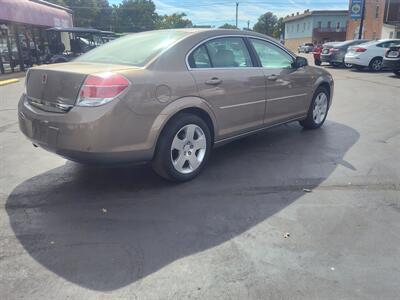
(169, 96)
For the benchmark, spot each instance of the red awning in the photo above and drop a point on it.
(28, 12)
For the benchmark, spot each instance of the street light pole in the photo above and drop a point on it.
(237, 10)
(360, 32)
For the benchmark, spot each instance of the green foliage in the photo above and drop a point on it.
(128, 16)
(228, 26)
(176, 20)
(279, 29)
(268, 24)
(135, 16)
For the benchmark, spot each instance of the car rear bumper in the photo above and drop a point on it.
(355, 60)
(391, 63)
(88, 134)
(325, 57)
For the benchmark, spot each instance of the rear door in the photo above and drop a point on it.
(287, 87)
(227, 79)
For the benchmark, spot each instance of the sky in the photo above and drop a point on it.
(218, 12)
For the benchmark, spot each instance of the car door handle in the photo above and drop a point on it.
(214, 81)
(272, 77)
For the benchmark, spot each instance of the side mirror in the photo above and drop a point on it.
(300, 62)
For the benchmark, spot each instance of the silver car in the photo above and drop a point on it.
(169, 97)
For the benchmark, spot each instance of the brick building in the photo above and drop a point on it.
(381, 20)
(373, 21)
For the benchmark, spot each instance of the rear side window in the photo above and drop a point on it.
(199, 58)
(271, 56)
(230, 52)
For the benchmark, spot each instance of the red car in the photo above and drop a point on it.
(317, 52)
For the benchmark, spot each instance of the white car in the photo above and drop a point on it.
(369, 54)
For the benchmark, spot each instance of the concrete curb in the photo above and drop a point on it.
(8, 81)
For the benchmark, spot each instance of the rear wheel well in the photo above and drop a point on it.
(198, 112)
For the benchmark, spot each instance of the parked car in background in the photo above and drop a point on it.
(392, 59)
(369, 55)
(306, 48)
(318, 50)
(66, 44)
(115, 105)
(334, 53)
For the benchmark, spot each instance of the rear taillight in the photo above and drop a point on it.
(359, 49)
(99, 89)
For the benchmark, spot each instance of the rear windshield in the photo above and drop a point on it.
(135, 49)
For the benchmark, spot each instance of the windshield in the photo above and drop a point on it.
(135, 49)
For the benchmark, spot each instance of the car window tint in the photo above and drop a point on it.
(199, 58)
(228, 53)
(271, 56)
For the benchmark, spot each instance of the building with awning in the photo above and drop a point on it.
(22, 30)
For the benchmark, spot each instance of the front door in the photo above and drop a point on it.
(226, 79)
(287, 86)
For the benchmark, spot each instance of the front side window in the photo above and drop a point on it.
(229, 52)
(134, 49)
(271, 56)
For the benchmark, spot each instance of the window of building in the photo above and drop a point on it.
(304, 26)
(377, 12)
(329, 24)
(319, 24)
(298, 26)
(338, 25)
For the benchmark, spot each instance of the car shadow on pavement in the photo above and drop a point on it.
(106, 228)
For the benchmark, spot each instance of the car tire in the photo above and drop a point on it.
(317, 62)
(376, 64)
(347, 66)
(396, 72)
(335, 64)
(187, 162)
(318, 109)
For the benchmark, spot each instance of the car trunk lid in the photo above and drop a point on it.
(55, 88)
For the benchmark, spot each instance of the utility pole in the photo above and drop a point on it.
(248, 24)
(237, 11)
(362, 21)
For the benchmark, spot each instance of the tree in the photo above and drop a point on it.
(228, 26)
(266, 24)
(176, 20)
(135, 16)
(279, 29)
(103, 18)
(84, 11)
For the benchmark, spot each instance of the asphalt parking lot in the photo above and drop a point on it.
(244, 229)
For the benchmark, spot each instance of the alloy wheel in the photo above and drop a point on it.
(320, 108)
(188, 149)
(377, 65)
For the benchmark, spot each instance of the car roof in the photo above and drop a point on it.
(74, 29)
(375, 42)
(220, 31)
